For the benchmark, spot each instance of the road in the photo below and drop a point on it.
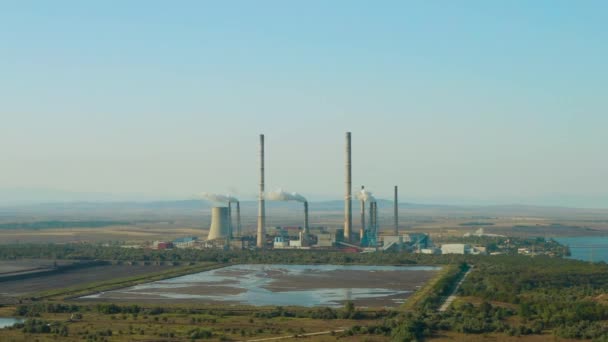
(297, 335)
(452, 296)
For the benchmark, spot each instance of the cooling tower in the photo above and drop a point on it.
(396, 208)
(220, 223)
(261, 206)
(348, 210)
(306, 229)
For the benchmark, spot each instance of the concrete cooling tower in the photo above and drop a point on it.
(220, 223)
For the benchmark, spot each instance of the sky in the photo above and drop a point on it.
(482, 102)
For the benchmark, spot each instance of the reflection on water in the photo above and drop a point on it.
(9, 321)
(302, 285)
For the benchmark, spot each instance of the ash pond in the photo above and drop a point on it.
(298, 285)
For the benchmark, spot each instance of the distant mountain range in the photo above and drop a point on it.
(59, 203)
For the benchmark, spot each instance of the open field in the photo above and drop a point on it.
(14, 267)
(70, 278)
(437, 227)
(180, 325)
(491, 304)
(124, 234)
(149, 221)
(452, 337)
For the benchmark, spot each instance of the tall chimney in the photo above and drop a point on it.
(238, 219)
(348, 210)
(229, 219)
(396, 214)
(306, 228)
(376, 224)
(362, 231)
(371, 217)
(261, 207)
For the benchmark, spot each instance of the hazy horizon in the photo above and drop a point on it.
(485, 103)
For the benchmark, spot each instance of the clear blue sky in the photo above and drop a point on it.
(455, 101)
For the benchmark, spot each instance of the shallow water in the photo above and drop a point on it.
(9, 321)
(301, 285)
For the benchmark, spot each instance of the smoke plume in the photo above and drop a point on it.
(365, 195)
(280, 195)
(219, 198)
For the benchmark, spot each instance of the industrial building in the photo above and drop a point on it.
(461, 248)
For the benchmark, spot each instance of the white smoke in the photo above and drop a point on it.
(365, 195)
(280, 195)
(219, 198)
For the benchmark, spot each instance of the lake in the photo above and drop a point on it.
(587, 248)
(298, 285)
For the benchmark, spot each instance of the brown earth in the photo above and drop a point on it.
(20, 287)
(394, 280)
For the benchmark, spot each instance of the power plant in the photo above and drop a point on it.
(224, 233)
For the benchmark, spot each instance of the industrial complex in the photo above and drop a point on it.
(225, 230)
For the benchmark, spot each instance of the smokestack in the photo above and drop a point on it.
(396, 214)
(371, 217)
(261, 206)
(362, 231)
(306, 218)
(229, 219)
(348, 210)
(375, 224)
(238, 219)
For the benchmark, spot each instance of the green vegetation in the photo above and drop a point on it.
(37, 326)
(134, 322)
(510, 245)
(549, 293)
(431, 295)
(508, 295)
(179, 256)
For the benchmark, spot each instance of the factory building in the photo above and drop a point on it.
(185, 242)
(325, 240)
(461, 248)
(455, 248)
(407, 241)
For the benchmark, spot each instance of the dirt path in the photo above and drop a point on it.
(297, 335)
(452, 296)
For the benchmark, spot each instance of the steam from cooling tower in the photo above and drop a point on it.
(219, 198)
(280, 195)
